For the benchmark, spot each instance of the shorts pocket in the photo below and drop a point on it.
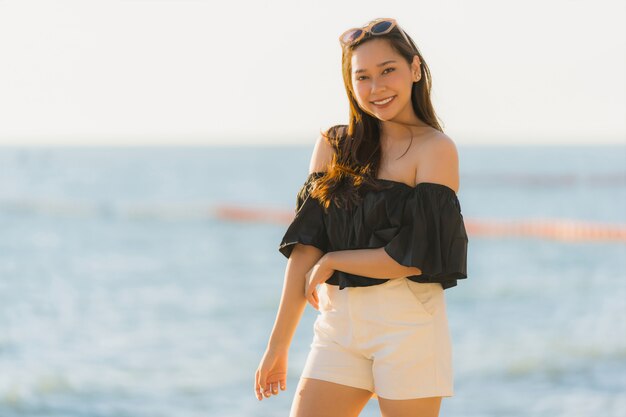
(426, 295)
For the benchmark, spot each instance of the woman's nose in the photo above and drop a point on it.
(377, 87)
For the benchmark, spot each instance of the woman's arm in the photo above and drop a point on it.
(292, 301)
(371, 263)
(302, 258)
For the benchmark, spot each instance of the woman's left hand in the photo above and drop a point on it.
(318, 274)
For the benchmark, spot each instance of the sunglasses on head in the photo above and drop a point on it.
(374, 28)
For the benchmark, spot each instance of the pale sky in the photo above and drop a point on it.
(258, 72)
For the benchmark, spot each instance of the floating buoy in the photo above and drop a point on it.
(253, 215)
(558, 229)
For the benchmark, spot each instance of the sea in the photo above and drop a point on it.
(126, 292)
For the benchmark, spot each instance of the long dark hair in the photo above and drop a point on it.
(357, 145)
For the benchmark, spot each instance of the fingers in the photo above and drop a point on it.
(272, 388)
(316, 299)
(312, 298)
(276, 385)
(269, 387)
(259, 381)
(262, 387)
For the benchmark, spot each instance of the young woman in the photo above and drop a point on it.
(379, 229)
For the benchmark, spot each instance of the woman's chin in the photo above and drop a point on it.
(381, 115)
(385, 114)
(385, 117)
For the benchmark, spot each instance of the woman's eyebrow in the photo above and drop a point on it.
(379, 65)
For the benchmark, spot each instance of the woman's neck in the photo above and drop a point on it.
(395, 131)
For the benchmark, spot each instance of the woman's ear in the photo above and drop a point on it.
(416, 68)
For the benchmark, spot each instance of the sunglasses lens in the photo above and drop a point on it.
(381, 27)
(351, 35)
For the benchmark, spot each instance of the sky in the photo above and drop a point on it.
(182, 72)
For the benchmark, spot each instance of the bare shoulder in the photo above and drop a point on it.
(438, 161)
(323, 152)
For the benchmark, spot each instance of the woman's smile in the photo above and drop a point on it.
(383, 103)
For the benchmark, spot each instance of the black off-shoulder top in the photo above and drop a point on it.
(419, 226)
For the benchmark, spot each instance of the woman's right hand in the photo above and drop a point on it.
(271, 373)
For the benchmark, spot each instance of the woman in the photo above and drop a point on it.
(379, 228)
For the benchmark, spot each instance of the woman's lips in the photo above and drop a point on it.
(382, 106)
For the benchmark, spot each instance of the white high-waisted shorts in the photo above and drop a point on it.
(392, 339)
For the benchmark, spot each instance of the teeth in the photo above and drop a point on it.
(384, 101)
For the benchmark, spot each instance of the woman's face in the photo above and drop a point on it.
(379, 73)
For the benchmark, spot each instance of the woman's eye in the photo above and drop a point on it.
(363, 76)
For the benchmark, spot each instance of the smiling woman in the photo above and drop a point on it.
(378, 226)
(388, 85)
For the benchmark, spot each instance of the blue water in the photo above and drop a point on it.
(122, 294)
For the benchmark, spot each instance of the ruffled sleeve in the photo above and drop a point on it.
(432, 236)
(308, 225)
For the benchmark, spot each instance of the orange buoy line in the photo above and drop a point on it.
(252, 214)
(558, 229)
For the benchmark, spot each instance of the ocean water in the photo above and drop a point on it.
(123, 293)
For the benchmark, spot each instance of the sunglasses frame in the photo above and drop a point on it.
(367, 29)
